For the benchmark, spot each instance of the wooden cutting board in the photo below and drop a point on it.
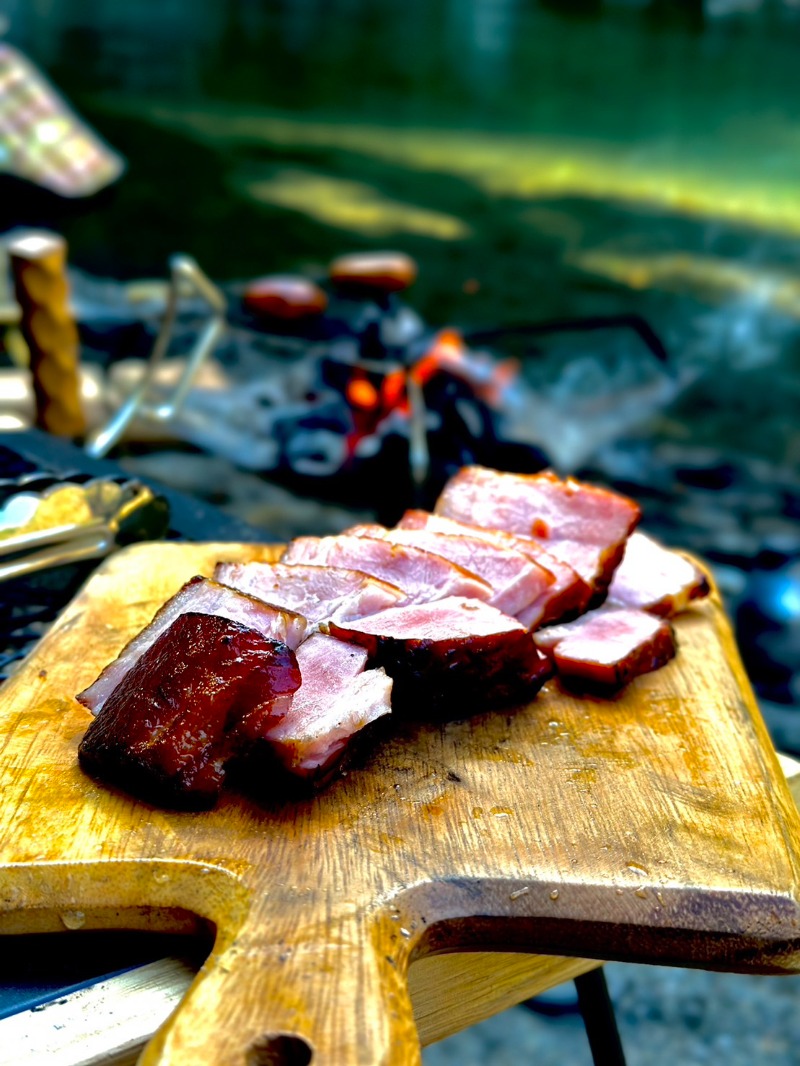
(655, 827)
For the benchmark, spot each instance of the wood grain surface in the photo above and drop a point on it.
(656, 827)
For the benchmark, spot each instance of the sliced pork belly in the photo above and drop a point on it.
(316, 592)
(336, 699)
(655, 579)
(202, 596)
(421, 575)
(566, 596)
(581, 524)
(606, 648)
(184, 707)
(455, 655)
(516, 581)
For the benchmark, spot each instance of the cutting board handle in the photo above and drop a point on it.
(331, 992)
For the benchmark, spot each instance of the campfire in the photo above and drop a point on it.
(334, 385)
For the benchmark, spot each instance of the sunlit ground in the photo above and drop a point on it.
(716, 182)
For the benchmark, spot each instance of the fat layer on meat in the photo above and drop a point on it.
(338, 697)
(607, 647)
(582, 524)
(566, 596)
(316, 592)
(655, 579)
(199, 595)
(454, 656)
(421, 575)
(517, 582)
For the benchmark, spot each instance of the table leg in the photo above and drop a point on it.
(598, 1017)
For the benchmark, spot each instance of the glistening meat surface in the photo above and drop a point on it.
(516, 581)
(316, 592)
(567, 595)
(581, 524)
(206, 688)
(198, 595)
(421, 575)
(608, 647)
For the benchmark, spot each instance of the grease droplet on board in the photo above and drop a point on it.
(637, 868)
(73, 919)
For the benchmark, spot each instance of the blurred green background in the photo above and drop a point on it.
(528, 152)
(539, 158)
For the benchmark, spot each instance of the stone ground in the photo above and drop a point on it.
(666, 1017)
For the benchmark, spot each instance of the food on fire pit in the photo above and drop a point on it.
(204, 690)
(584, 526)
(605, 648)
(285, 297)
(337, 698)
(450, 654)
(655, 579)
(316, 592)
(418, 619)
(381, 271)
(567, 596)
(204, 597)
(421, 575)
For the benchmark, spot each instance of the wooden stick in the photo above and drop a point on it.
(38, 267)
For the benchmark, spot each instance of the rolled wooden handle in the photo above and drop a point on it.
(38, 267)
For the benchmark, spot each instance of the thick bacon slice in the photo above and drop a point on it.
(202, 596)
(336, 699)
(516, 581)
(421, 575)
(181, 712)
(316, 592)
(656, 579)
(582, 524)
(608, 647)
(454, 655)
(568, 594)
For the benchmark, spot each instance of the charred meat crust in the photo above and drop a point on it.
(205, 688)
(455, 677)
